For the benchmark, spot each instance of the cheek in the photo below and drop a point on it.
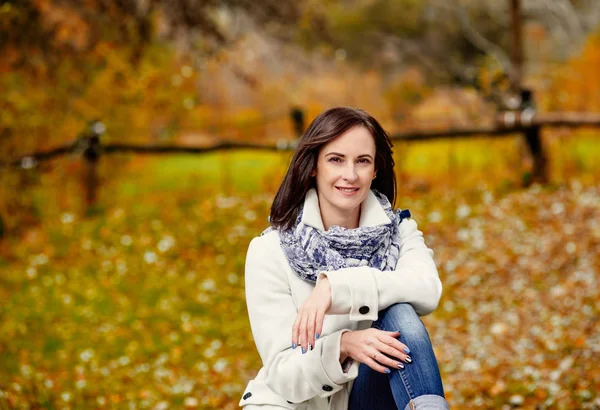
(368, 173)
(325, 173)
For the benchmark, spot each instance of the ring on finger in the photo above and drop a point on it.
(375, 357)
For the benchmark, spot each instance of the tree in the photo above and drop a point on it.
(56, 29)
(451, 42)
(130, 63)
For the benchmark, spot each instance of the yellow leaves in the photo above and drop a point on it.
(514, 324)
(491, 78)
(176, 354)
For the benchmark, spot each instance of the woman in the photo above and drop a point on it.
(335, 286)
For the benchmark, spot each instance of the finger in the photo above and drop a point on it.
(310, 329)
(303, 341)
(391, 362)
(395, 343)
(375, 365)
(391, 353)
(377, 358)
(295, 331)
(391, 347)
(319, 324)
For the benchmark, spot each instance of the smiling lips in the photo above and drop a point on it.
(347, 191)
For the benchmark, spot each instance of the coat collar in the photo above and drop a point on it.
(371, 212)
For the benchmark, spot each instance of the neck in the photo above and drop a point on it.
(347, 220)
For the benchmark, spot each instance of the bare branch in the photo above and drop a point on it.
(570, 16)
(479, 41)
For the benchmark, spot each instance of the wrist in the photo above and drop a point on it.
(343, 346)
(325, 289)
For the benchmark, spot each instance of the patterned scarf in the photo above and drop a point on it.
(310, 251)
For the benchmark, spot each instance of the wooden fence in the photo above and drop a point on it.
(526, 122)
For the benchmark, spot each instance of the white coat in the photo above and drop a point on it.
(274, 293)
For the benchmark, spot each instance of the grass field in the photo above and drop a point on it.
(141, 305)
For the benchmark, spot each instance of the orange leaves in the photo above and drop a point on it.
(10, 56)
(66, 24)
(498, 388)
(576, 86)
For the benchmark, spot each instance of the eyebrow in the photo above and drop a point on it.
(342, 155)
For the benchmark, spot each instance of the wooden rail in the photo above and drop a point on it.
(526, 122)
(506, 124)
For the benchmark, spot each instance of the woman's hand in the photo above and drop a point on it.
(378, 349)
(309, 321)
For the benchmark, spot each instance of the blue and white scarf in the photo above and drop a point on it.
(310, 251)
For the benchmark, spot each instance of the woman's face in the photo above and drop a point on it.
(345, 169)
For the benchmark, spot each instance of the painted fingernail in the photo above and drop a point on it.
(316, 336)
(400, 366)
(388, 371)
(406, 350)
(303, 350)
(309, 346)
(294, 345)
(408, 359)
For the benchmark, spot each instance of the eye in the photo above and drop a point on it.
(335, 159)
(364, 161)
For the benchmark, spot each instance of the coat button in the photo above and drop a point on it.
(247, 396)
(364, 310)
(327, 387)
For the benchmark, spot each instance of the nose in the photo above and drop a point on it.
(349, 173)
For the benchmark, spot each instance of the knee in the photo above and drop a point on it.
(402, 317)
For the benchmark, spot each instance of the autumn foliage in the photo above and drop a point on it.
(144, 306)
(140, 303)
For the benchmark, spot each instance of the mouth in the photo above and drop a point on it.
(347, 190)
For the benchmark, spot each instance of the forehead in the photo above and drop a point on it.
(356, 141)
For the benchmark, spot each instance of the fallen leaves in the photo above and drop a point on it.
(528, 300)
(144, 307)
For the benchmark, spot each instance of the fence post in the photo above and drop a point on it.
(297, 115)
(533, 138)
(91, 156)
(539, 172)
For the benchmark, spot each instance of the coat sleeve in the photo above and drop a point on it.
(362, 292)
(294, 376)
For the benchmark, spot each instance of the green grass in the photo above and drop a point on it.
(238, 171)
(456, 163)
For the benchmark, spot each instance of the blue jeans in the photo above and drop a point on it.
(418, 385)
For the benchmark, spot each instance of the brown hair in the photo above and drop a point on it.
(326, 127)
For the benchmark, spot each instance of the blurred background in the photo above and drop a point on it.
(142, 142)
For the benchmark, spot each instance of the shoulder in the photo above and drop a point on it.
(405, 221)
(407, 228)
(265, 262)
(408, 225)
(265, 242)
(265, 247)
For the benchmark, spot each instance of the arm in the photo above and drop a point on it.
(415, 281)
(294, 376)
